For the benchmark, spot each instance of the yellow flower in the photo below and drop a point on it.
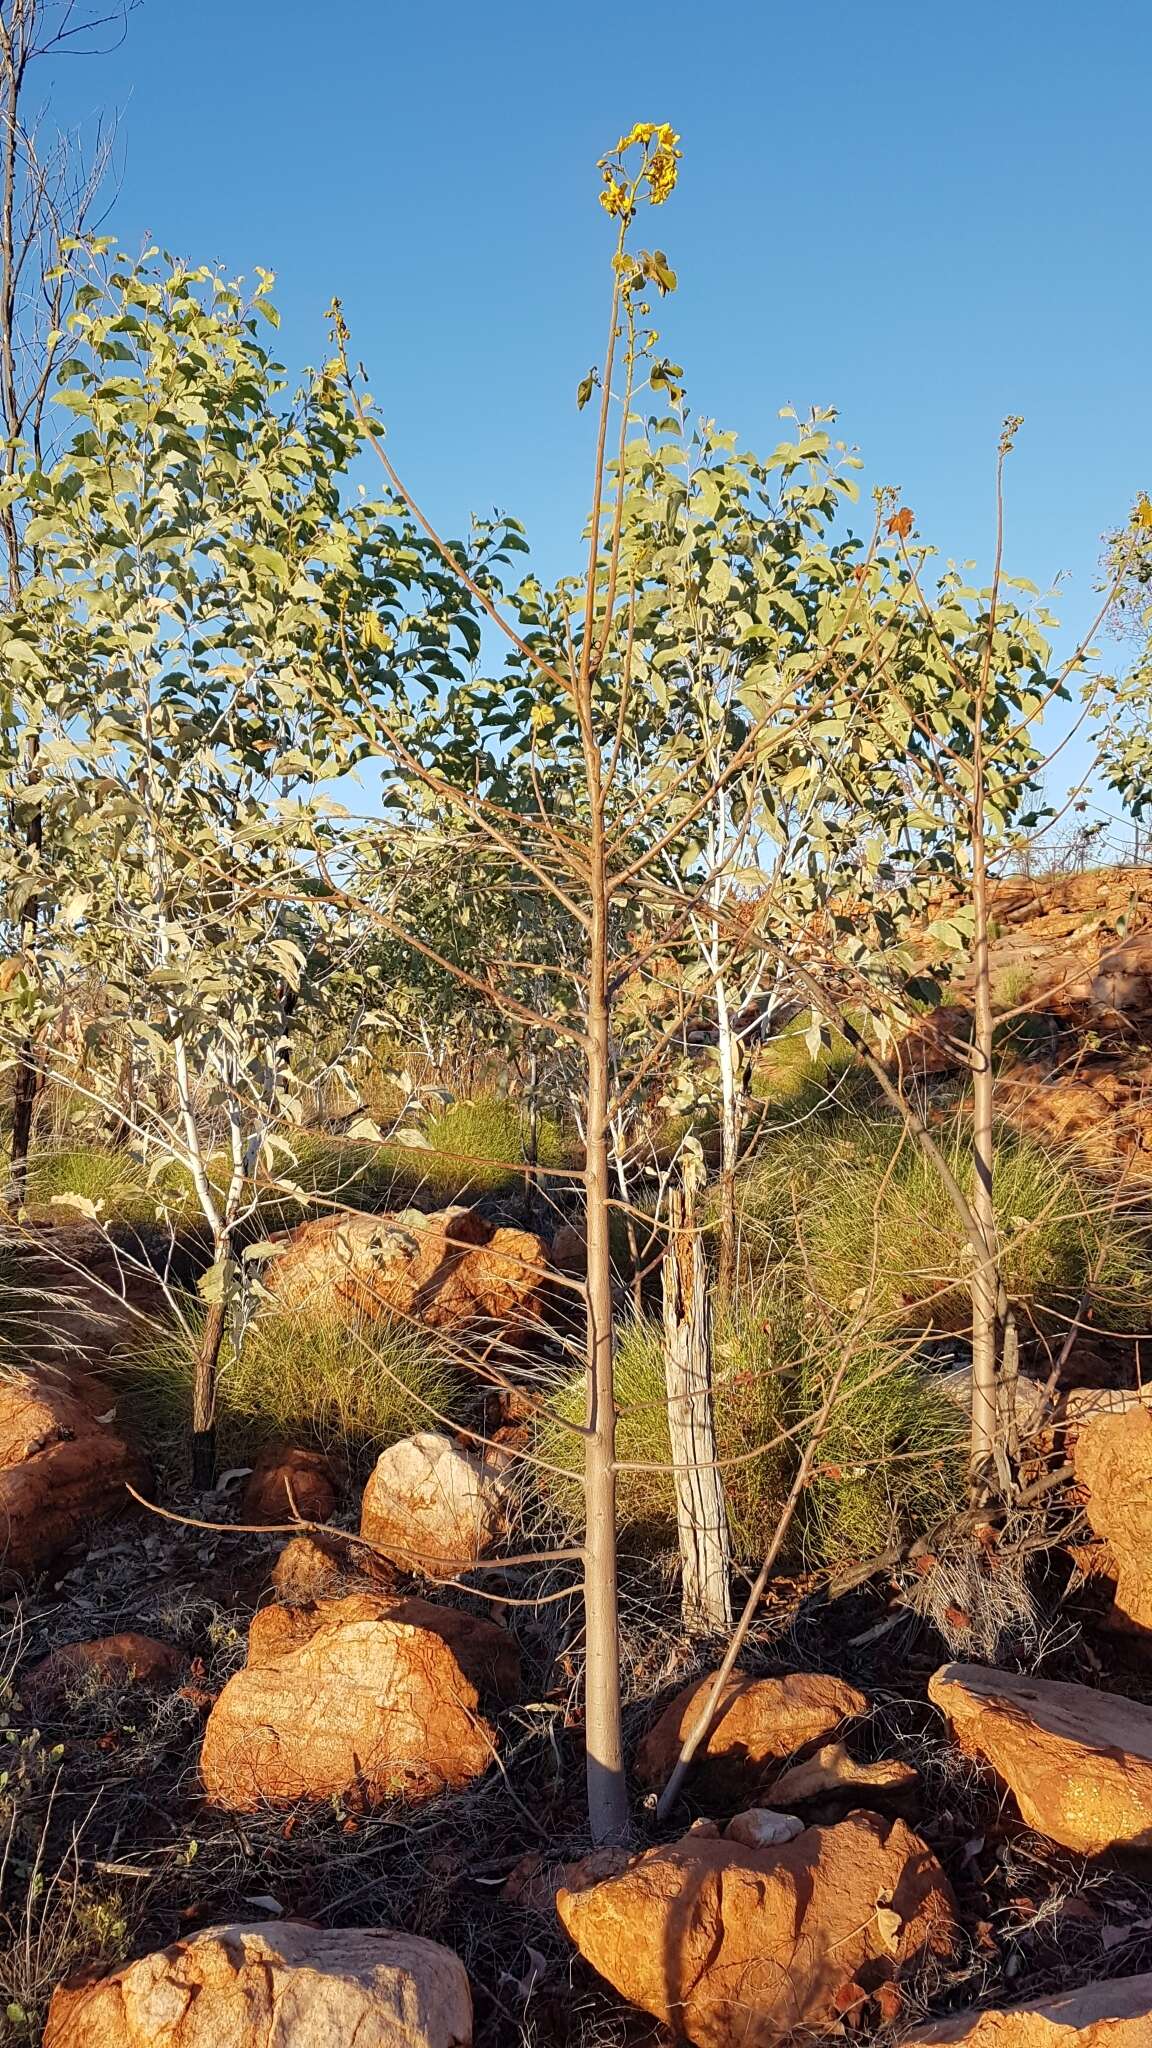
(615, 197)
(641, 131)
(662, 176)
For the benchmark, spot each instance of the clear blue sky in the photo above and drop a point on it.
(928, 216)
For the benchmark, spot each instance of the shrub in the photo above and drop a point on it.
(337, 1385)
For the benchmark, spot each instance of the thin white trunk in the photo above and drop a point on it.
(701, 1518)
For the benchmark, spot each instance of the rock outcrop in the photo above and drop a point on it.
(452, 1269)
(727, 1943)
(109, 1661)
(1078, 1761)
(279, 1985)
(60, 1471)
(431, 1507)
(761, 1723)
(343, 1702)
(1113, 1461)
(287, 1483)
(1113, 2013)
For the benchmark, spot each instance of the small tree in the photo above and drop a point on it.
(203, 602)
(49, 187)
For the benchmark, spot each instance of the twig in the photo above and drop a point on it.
(300, 1527)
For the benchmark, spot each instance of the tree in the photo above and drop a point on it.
(49, 187)
(202, 604)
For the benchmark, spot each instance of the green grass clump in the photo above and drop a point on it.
(112, 1180)
(322, 1382)
(788, 1078)
(891, 1458)
(871, 1217)
(475, 1146)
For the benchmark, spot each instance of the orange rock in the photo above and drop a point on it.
(451, 1269)
(1113, 2013)
(727, 1943)
(284, 1475)
(535, 1881)
(833, 1774)
(1078, 1761)
(363, 1708)
(1113, 1460)
(937, 1043)
(265, 1986)
(761, 1722)
(485, 1652)
(60, 1470)
(112, 1661)
(432, 1507)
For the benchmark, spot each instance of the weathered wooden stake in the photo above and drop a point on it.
(700, 1513)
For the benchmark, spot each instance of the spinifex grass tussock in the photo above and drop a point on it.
(889, 1460)
(476, 1146)
(112, 1180)
(860, 1203)
(343, 1386)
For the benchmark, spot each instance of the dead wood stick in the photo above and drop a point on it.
(701, 1728)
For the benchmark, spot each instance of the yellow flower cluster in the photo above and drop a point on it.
(659, 140)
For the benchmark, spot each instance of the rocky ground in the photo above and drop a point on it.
(277, 1788)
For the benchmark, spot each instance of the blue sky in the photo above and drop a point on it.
(927, 216)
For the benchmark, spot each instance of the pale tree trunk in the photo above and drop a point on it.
(701, 1519)
(985, 1279)
(730, 1119)
(203, 1435)
(607, 1792)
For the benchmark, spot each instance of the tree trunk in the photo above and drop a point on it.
(706, 1602)
(986, 1277)
(25, 1089)
(203, 1439)
(607, 1791)
(729, 1145)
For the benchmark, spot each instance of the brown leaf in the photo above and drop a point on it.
(900, 524)
(889, 2002)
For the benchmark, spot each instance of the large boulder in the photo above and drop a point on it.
(760, 1724)
(272, 1986)
(287, 1484)
(1078, 1761)
(1113, 1462)
(725, 1942)
(1113, 2013)
(432, 1507)
(485, 1652)
(357, 1706)
(452, 1269)
(60, 1470)
(109, 1662)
